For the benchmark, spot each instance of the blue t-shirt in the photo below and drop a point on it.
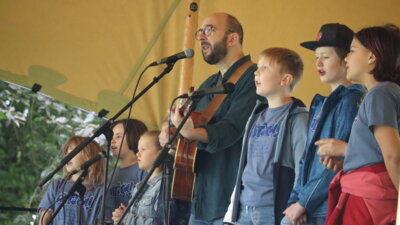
(69, 214)
(121, 188)
(257, 176)
(381, 106)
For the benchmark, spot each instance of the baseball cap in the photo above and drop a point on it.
(331, 35)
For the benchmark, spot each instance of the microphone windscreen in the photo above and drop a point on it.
(189, 53)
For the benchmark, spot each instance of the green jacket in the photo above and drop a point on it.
(217, 161)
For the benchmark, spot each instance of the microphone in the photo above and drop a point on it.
(226, 88)
(188, 53)
(88, 163)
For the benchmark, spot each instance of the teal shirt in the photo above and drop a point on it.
(217, 161)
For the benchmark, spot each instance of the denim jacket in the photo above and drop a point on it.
(146, 211)
(289, 148)
(336, 118)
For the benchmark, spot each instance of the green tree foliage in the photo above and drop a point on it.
(33, 129)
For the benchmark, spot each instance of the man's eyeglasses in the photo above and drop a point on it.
(206, 31)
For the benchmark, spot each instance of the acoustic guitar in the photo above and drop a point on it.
(184, 177)
(185, 156)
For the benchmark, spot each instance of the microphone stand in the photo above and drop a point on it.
(168, 166)
(104, 129)
(105, 126)
(109, 136)
(159, 160)
(78, 187)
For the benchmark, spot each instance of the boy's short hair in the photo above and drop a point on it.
(288, 60)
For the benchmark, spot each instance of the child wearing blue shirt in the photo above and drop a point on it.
(127, 174)
(58, 189)
(273, 142)
(366, 190)
(330, 117)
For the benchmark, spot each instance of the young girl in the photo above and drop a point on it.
(147, 209)
(127, 174)
(330, 117)
(60, 188)
(368, 185)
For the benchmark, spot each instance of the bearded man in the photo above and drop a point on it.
(219, 142)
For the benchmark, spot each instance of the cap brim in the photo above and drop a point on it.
(312, 45)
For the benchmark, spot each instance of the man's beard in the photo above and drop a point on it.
(217, 53)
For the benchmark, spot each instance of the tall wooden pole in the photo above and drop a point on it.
(191, 18)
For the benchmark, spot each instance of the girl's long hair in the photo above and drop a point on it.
(95, 171)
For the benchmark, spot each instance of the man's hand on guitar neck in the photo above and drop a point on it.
(188, 130)
(165, 134)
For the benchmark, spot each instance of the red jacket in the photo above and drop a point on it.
(373, 185)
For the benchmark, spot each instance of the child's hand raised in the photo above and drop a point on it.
(331, 147)
(116, 215)
(332, 150)
(332, 163)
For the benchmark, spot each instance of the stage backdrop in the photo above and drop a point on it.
(89, 53)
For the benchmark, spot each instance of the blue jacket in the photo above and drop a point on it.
(290, 145)
(336, 119)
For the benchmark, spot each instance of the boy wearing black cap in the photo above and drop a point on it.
(330, 117)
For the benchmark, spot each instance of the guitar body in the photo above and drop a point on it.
(184, 174)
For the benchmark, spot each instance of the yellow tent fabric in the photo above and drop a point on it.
(89, 53)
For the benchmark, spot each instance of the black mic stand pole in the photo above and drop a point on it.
(109, 135)
(159, 160)
(166, 187)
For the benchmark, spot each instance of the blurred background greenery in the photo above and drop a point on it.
(33, 129)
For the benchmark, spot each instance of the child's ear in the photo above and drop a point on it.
(371, 58)
(286, 79)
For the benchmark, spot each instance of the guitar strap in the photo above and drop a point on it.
(212, 108)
